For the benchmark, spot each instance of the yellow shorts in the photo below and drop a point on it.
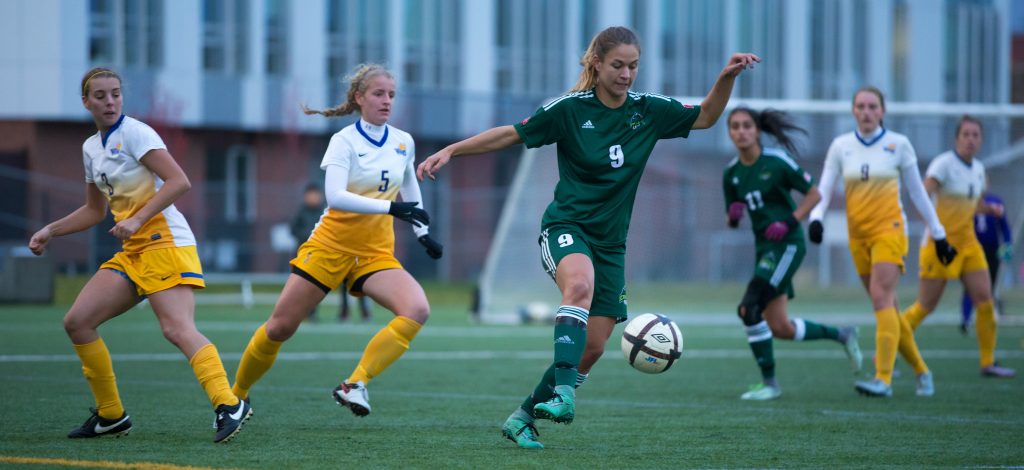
(969, 258)
(156, 270)
(332, 268)
(887, 248)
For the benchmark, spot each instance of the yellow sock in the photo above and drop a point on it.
(210, 372)
(908, 347)
(99, 372)
(985, 326)
(257, 359)
(887, 337)
(915, 315)
(385, 348)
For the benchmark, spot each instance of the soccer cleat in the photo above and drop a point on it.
(925, 386)
(561, 408)
(98, 426)
(963, 328)
(852, 347)
(873, 388)
(230, 420)
(762, 392)
(996, 370)
(246, 399)
(354, 397)
(522, 432)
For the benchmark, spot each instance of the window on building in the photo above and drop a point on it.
(126, 32)
(531, 32)
(357, 32)
(973, 49)
(225, 36)
(276, 23)
(432, 57)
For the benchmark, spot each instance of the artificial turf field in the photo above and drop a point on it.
(442, 405)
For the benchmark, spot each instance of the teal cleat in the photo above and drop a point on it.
(522, 432)
(849, 336)
(561, 408)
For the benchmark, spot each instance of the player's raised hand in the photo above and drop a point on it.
(433, 163)
(740, 62)
(39, 241)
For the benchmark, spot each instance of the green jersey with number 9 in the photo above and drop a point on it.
(602, 153)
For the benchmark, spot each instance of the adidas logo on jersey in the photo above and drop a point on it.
(564, 339)
(587, 125)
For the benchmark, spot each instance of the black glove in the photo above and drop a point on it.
(944, 251)
(434, 249)
(408, 212)
(815, 231)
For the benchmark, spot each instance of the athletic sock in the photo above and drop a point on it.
(807, 330)
(99, 373)
(385, 348)
(760, 338)
(580, 378)
(908, 347)
(887, 337)
(985, 326)
(257, 359)
(210, 372)
(543, 392)
(915, 314)
(570, 338)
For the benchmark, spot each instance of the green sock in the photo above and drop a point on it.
(542, 392)
(570, 338)
(760, 338)
(807, 330)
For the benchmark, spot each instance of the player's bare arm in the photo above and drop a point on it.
(487, 141)
(83, 218)
(160, 162)
(714, 103)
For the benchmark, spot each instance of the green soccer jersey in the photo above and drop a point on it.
(764, 187)
(602, 153)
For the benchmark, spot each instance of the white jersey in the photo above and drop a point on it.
(377, 169)
(872, 170)
(960, 186)
(113, 164)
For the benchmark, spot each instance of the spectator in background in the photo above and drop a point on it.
(302, 226)
(993, 232)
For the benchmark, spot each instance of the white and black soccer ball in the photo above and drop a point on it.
(652, 343)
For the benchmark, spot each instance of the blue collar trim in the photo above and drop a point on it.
(963, 160)
(104, 137)
(868, 143)
(378, 143)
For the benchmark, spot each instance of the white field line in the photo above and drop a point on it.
(842, 415)
(492, 355)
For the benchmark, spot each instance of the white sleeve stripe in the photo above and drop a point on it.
(782, 156)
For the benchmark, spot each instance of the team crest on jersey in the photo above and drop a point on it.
(400, 149)
(735, 181)
(891, 148)
(116, 150)
(766, 176)
(767, 262)
(636, 121)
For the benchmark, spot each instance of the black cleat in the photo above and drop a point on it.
(230, 420)
(98, 426)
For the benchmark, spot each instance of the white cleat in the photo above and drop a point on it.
(925, 386)
(852, 347)
(354, 397)
(873, 388)
(762, 392)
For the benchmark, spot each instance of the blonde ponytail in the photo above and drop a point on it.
(358, 81)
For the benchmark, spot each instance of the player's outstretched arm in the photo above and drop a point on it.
(487, 141)
(90, 214)
(714, 104)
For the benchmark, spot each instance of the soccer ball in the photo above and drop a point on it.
(652, 343)
(536, 312)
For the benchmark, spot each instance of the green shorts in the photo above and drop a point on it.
(777, 263)
(558, 241)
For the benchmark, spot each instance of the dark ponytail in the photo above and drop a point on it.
(776, 123)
